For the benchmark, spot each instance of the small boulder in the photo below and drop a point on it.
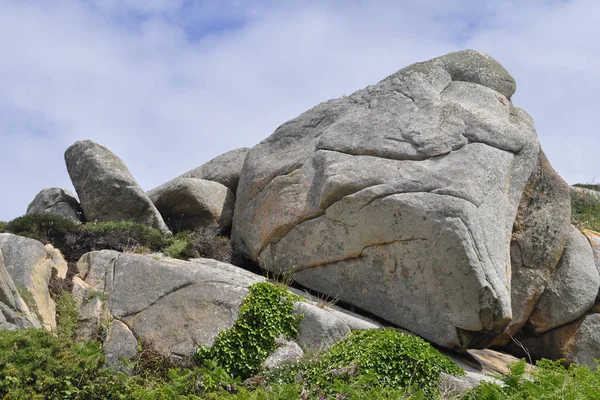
(120, 347)
(190, 204)
(286, 351)
(224, 169)
(56, 201)
(30, 265)
(573, 288)
(106, 188)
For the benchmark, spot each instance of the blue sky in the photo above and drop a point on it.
(169, 84)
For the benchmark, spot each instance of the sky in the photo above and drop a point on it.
(169, 84)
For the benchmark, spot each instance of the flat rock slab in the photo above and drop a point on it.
(106, 189)
(399, 199)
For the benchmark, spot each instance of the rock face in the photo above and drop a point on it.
(577, 342)
(172, 305)
(399, 199)
(30, 265)
(224, 169)
(14, 313)
(190, 204)
(56, 201)
(538, 240)
(573, 289)
(120, 345)
(106, 189)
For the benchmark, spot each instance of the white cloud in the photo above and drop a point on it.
(168, 84)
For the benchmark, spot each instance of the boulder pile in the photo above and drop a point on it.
(424, 201)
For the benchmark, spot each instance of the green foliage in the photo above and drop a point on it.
(204, 242)
(2, 226)
(586, 209)
(29, 300)
(592, 186)
(66, 316)
(43, 227)
(266, 313)
(381, 358)
(550, 380)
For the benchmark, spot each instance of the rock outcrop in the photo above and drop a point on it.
(539, 236)
(14, 312)
(56, 201)
(30, 265)
(400, 198)
(191, 204)
(106, 189)
(224, 169)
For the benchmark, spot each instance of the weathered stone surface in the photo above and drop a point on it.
(30, 265)
(106, 189)
(538, 240)
(594, 239)
(577, 342)
(573, 288)
(14, 313)
(286, 351)
(120, 347)
(172, 305)
(224, 169)
(399, 199)
(190, 204)
(321, 328)
(56, 201)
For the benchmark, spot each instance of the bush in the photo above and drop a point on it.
(550, 380)
(204, 242)
(585, 209)
(385, 359)
(2, 226)
(266, 313)
(43, 227)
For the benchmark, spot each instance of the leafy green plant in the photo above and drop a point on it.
(382, 358)
(66, 316)
(2, 226)
(43, 227)
(266, 313)
(549, 380)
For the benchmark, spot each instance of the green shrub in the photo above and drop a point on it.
(381, 358)
(66, 316)
(2, 226)
(550, 380)
(266, 313)
(585, 210)
(44, 227)
(204, 242)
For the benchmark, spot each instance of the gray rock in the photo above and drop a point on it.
(538, 240)
(577, 342)
(399, 199)
(56, 201)
(171, 305)
(106, 189)
(14, 313)
(120, 347)
(30, 265)
(594, 239)
(286, 351)
(573, 288)
(190, 204)
(224, 169)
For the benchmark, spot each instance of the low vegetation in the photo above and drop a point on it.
(585, 208)
(75, 239)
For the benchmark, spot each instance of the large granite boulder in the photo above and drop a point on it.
(224, 169)
(573, 289)
(56, 201)
(400, 198)
(14, 312)
(173, 305)
(191, 204)
(106, 189)
(538, 240)
(30, 265)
